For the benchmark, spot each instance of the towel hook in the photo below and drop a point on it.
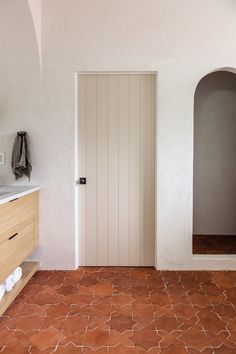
(21, 133)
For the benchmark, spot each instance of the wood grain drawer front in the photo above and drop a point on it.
(15, 229)
(16, 248)
(17, 211)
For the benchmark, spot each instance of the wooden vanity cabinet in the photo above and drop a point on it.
(18, 239)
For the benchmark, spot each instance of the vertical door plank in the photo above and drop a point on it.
(134, 170)
(142, 169)
(102, 117)
(113, 172)
(152, 168)
(92, 244)
(124, 172)
(149, 247)
(82, 119)
(146, 118)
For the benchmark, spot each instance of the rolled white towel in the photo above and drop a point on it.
(2, 291)
(17, 274)
(9, 283)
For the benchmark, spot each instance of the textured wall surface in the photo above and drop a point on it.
(182, 40)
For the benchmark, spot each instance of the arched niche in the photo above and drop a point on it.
(214, 169)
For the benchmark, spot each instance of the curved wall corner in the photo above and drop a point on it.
(35, 7)
(229, 69)
(214, 173)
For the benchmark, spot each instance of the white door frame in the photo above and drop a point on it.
(77, 75)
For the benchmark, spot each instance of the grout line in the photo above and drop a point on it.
(97, 234)
(107, 262)
(129, 170)
(118, 171)
(86, 168)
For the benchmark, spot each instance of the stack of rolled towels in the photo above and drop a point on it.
(11, 280)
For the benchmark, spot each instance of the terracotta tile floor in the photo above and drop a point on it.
(123, 310)
(214, 244)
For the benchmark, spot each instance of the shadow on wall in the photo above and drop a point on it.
(214, 181)
(20, 82)
(6, 145)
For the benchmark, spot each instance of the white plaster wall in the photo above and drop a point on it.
(23, 106)
(182, 40)
(36, 13)
(215, 155)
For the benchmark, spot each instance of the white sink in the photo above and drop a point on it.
(9, 193)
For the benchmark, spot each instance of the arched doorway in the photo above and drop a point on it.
(214, 173)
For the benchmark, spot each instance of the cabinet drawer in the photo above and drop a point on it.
(16, 248)
(17, 211)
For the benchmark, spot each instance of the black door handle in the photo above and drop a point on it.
(13, 200)
(82, 180)
(10, 238)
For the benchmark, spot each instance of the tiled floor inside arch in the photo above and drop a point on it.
(123, 310)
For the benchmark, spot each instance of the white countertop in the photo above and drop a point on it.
(8, 193)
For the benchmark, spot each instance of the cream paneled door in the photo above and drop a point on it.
(116, 151)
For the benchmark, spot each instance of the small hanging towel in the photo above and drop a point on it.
(20, 163)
